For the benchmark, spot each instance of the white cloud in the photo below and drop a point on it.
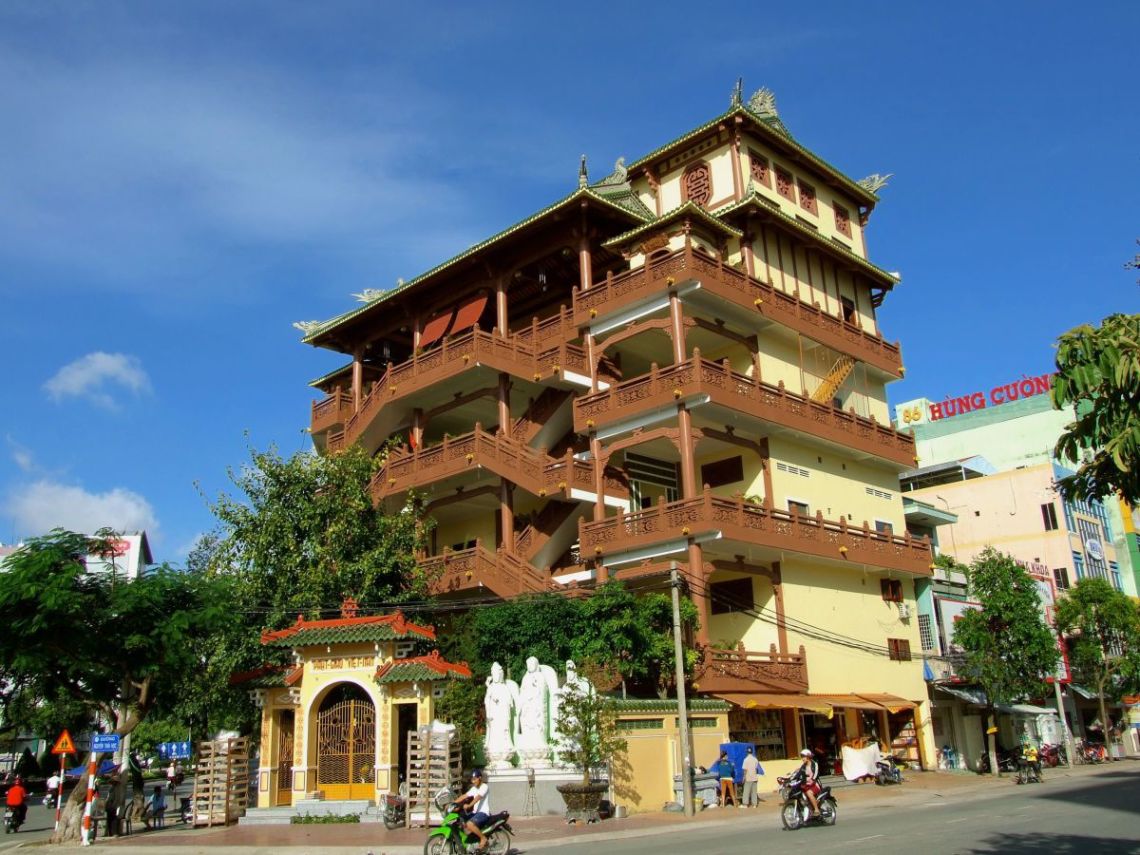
(21, 455)
(89, 376)
(44, 505)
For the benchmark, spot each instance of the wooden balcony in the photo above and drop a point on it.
(726, 282)
(480, 569)
(331, 412)
(496, 455)
(723, 387)
(743, 670)
(739, 521)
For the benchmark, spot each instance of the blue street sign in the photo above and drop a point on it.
(104, 742)
(174, 750)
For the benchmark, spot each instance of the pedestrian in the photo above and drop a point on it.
(752, 772)
(727, 774)
(116, 801)
(155, 808)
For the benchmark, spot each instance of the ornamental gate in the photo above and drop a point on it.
(285, 759)
(346, 745)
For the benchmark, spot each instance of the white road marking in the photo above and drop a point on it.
(872, 837)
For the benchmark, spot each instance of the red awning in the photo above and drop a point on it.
(468, 314)
(435, 328)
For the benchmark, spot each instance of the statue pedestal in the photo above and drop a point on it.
(509, 790)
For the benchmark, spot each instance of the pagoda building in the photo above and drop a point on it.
(678, 363)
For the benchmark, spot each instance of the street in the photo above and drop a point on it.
(1097, 814)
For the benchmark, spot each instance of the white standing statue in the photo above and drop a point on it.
(536, 697)
(501, 703)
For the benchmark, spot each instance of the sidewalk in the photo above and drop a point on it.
(552, 831)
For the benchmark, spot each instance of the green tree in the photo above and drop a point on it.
(101, 648)
(1102, 630)
(588, 724)
(1098, 371)
(1008, 647)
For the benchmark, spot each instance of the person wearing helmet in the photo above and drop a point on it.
(18, 800)
(809, 772)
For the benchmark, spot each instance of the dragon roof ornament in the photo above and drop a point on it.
(618, 177)
(308, 327)
(583, 174)
(875, 182)
(763, 103)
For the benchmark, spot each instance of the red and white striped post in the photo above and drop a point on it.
(59, 789)
(90, 799)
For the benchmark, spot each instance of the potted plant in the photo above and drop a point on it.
(587, 723)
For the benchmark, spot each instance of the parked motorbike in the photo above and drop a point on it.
(1007, 762)
(451, 838)
(889, 770)
(796, 812)
(1051, 755)
(395, 810)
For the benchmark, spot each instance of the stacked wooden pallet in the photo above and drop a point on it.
(434, 763)
(221, 781)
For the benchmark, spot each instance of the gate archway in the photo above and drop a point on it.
(346, 744)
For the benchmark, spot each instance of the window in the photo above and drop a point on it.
(732, 596)
(848, 309)
(721, 472)
(898, 649)
(1061, 578)
(1049, 515)
(892, 590)
(758, 164)
(800, 508)
(696, 184)
(842, 220)
(1114, 572)
(1079, 565)
(884, 527)
(807, 199)
(640, 724)
(785, 184)
(925, 632)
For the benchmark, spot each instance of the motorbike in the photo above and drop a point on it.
(889, 770)
(796, 812)
(1051, 755)
(1007, 762)
(451, 838)
(1028, 771)
(396, 809)
(12, 819)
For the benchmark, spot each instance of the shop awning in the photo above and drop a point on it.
(854, 702)
(759, 700)
(970, 696)
(891, 703)
(1024, 709)
(1082, 691)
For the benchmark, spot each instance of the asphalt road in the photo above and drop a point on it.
(1099, 814)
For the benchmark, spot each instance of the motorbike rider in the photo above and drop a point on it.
(478, 800)
(809, 773)
(18, 800)
(1029, 758)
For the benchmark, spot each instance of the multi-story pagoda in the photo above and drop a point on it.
(679, 362)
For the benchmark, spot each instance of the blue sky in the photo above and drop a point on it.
(180, 182)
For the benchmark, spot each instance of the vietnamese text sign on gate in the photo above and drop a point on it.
(108, 742)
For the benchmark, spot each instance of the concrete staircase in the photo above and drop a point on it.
(313, 807)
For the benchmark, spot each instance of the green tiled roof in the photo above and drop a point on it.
(345, 631)
(654, 705)
(689, 209)
(420, 669)
(774, 135)
(754, 199)
(267, 677)
(580, 193)
(324, 378)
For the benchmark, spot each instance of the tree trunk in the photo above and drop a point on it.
(71, 817)
(1103, 716)
(991, 741)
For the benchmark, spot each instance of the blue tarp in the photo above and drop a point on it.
(737, 751)
(105, 768)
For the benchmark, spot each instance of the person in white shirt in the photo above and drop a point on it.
(478, 800)
(751, 768)
(52, 788)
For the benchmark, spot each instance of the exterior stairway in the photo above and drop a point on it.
(548, 416)
(830, 384)
(551, 532)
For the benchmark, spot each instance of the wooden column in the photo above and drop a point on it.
(357, 378)
(689, 486)
(591, 355)
(505, 405)
(599, 478)
(677, 327)
(778, 596)
(506, 515)
(501, 316)
(418, 425)
(737, 173)
(699, 591)
(417, 331)
(746, 251)
(585, 262)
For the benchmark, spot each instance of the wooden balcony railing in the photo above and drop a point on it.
(331, 412)
(735, 286)
(497, 571)
(744, 394)
(745, 522)
(550, 332)
(743, 670)
(534, 471)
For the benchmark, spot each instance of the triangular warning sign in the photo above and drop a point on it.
(63, 745)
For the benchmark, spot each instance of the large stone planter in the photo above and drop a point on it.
(582, 800)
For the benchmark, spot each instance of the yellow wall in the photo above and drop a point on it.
(729, 630)
(480, 524)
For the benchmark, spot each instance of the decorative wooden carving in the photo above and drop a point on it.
(696, 184)
(758, 164)
(842, 220)
(807, 199)
(785, 184)
(656, 242)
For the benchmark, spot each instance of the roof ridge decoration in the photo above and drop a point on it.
(616, 188)
(583, 173)
(308, 327)
(875, 182)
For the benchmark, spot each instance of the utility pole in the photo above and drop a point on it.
(1070, 749)
(682, 703)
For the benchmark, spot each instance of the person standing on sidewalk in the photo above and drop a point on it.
(752, 772)
(727, 774)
